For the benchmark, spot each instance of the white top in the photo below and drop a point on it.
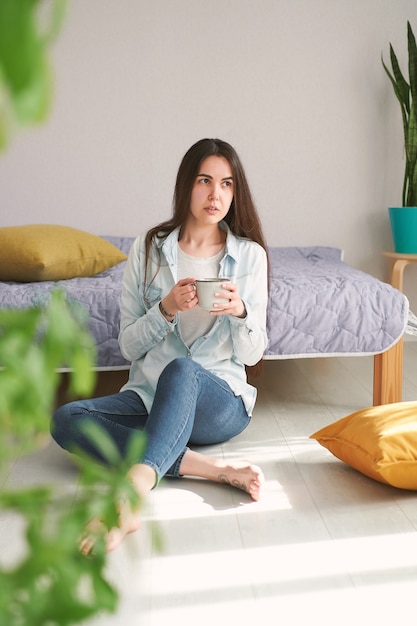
(196, 322)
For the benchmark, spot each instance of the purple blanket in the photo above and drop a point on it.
(318, 306)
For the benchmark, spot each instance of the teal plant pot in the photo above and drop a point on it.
(404, 229)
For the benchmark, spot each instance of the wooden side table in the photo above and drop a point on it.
(399, 262)
(388, 366)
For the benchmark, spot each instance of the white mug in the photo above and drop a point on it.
(206, 288)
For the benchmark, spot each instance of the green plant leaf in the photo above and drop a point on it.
(53, 583)
(412, 61)
(83, 376)
(401, 86)
(57, 15)
(103, 442)
(34, 343)
(33, 102)
(19, 45)
(401, 90)
(135, 448)
(411, 151)
(26, 85)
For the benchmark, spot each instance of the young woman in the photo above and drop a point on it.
(187, 384)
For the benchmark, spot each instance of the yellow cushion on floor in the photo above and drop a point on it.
(380, 442)
(51, 252)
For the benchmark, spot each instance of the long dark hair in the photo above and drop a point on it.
(242, 217)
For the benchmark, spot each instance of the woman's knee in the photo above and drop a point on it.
(60, 416)
(63, 422)
(180, 367)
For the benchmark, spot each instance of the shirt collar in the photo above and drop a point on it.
(169, 244)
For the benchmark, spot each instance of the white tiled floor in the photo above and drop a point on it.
(324, 544)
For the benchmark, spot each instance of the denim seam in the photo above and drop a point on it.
(184, 424)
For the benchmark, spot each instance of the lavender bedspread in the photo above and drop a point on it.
(319, 306)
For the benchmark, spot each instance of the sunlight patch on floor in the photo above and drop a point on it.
(191, 504)
(328, 579)
(291, 567)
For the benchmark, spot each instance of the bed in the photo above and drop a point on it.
(318, 307)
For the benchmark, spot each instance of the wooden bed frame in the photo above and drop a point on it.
(388, 375)
(388, 366)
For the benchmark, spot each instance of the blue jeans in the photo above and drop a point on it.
(191, 406)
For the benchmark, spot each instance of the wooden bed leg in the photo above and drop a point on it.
(388, 375)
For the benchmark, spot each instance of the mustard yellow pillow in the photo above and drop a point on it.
(48, 252)
(380, 442)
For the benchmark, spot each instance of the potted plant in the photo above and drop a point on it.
(404, 219)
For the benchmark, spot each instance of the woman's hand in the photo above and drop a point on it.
(182, 297)
(233, 304)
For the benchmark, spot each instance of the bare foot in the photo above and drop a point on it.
(243, 475)
(129, 522)
(143, 479)
(240, 474)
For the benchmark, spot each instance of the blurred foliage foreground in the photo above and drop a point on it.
(53, 584)
(27, 30)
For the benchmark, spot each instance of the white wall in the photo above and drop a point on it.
(296, 86)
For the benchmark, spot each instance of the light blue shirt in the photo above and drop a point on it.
(150, 342)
